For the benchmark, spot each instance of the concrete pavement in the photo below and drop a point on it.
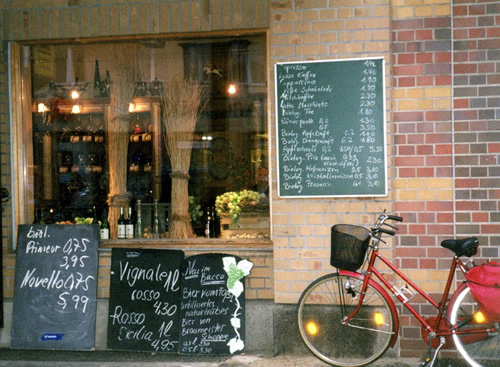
(32, 358)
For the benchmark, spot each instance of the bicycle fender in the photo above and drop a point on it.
(453, 298)
(384, 294)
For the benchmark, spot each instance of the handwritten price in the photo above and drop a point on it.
(79, 301)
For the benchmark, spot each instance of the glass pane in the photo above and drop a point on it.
(101, 122)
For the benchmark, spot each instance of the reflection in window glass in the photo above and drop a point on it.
(99, 136)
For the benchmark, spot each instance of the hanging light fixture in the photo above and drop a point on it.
(42, 108)
(232, 89)
(76, 109)
(75, 94)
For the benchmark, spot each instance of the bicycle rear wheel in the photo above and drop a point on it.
(481, 349)
(321, 309)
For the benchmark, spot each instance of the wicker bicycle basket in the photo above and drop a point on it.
(349, 245)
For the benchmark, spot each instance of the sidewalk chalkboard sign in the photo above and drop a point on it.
(144, 300)
(330, 128)
(213, 304)
(55, 287)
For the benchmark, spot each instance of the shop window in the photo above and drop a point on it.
(94, 137)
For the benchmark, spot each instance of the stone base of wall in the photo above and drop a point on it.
(271, 329)
(259, 326)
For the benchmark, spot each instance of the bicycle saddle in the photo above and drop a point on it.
(466, 246)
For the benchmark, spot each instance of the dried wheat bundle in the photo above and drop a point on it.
(182, 104)
(125, 73)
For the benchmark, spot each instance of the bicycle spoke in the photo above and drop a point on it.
(321, 311)
(478, 350)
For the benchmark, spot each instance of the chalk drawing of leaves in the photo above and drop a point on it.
(235, 272)
(235, 345)
(235, 322)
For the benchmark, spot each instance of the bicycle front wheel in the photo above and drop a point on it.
(479, 349)
(324, 305)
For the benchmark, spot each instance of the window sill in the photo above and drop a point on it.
(193, 244)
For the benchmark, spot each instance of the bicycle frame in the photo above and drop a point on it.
(441, 307)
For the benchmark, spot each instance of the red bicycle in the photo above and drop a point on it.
(347, 318)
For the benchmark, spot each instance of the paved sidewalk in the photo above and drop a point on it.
(32, 358)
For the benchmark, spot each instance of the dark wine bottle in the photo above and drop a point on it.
(97, 81)
(94, 219)
(121, 225)
(208, 224)
(129, 224)
(215, 224)
(156, 221)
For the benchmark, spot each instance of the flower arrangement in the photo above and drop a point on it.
(231, 203)
(195, 211)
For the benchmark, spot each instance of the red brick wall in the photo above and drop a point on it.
(422, 82)
(476, 98)
(446, 113)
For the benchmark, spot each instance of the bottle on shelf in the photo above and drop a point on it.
(121, 225)
(97, 81)
(138, 222)
(104, 226)
(167, 223)
(208, 224)
(129, 225)
(94, 219)
(156, 221)
(215, 230)
(36, 220)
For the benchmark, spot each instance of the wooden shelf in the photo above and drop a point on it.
(192, 244)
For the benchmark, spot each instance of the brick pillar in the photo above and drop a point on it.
(423, 158)
(476, 98)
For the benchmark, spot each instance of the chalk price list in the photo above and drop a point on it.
(68, 279)
(324, 139)
(205, 309)
(305, 139)
(154, 317)
(367, 129)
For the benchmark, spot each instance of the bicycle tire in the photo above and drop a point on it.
(357, 343)
(481, 350)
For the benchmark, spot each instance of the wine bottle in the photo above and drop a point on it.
(129, 225)
(215, 224)
(167, 223)
(36, 220)
(121, 225)
(94, 219)
(156, 221)
(97, 81)
(104, 226)
(42, 217)
(138, 222)
(208, 224)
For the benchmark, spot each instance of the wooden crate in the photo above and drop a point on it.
(250, 225)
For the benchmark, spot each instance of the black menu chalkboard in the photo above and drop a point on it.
(213, 304)
(55, 287)
(144, 300)
(330, 128)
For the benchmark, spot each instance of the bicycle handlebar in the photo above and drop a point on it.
(395, 217)
(381, 222)
(386, 231)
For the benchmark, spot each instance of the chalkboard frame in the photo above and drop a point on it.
(373, 193)
(65, 326)
(161, 269)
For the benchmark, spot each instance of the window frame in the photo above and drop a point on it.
(21, 121)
